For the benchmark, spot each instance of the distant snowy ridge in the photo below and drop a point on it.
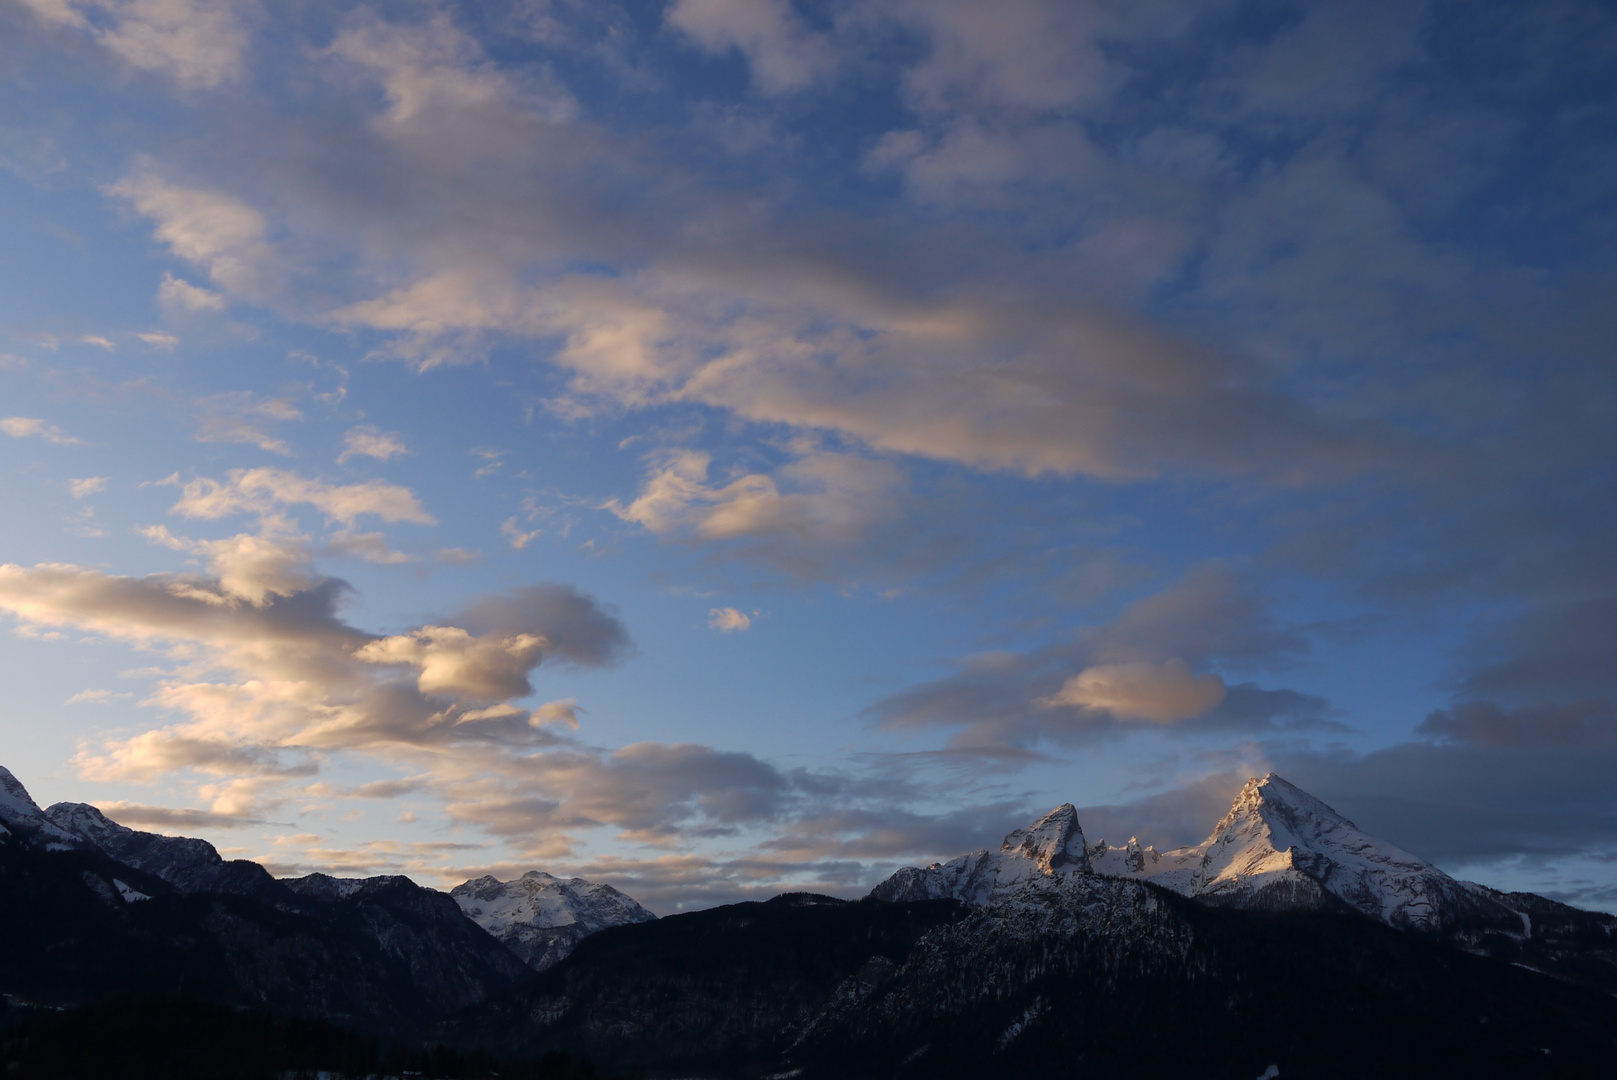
(1278, 848)
(542, 918)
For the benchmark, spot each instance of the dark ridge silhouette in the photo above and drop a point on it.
(177, 1039)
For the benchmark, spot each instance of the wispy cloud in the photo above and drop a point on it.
(728, 620)
(87, 486)
(369, 441)
(23, 427)
(98, 697)
(198, 43)
(262, 491)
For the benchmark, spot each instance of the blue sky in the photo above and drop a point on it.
(719, 446)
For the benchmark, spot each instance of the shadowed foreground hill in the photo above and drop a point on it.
(387, 961)
(166, 1039)
(1101, 978)
(710, 991)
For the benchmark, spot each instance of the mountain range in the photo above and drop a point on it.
(1280, 849)
(100, 910)
(1286, 943)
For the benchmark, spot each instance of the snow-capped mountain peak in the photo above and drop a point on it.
(1050, 849)
(1051, 843)
(1280, 847)
(1277, 848)
(541, 917)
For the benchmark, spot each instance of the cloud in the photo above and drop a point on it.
(234, 429)
(1565, 649)
(781, 52)
(97, 697)
(292, 687)
(433, 71)
(260, 491)
(844, 497)
(883, 833)
(248, 567)
(211, 229)
(23, 427)
(1104, 680)
(178, 295)
(1077, 247)
(1025, 56)
(909, 353)
(1161, 693)
(239, 418)
(564, 712)
(389, 789)
(726, 620)
(1487, 723)
(577, 629)
(368, 441)
(371, 546)
(298, 678)
(514, 534)
(822, 515)
(172, 819)
(267, 690)
(198, 43)
(87, 486)
(455, 663)
(1461, 803)
(158, 339)
(647, 790)
(1039, 385)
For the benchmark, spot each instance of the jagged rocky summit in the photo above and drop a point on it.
(542, 918)
(1051, 849)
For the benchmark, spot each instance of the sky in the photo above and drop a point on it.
(726, 446)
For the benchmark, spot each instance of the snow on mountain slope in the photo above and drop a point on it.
(1051, 848)
(1279, 847)
(20, 816)
(542, 918)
